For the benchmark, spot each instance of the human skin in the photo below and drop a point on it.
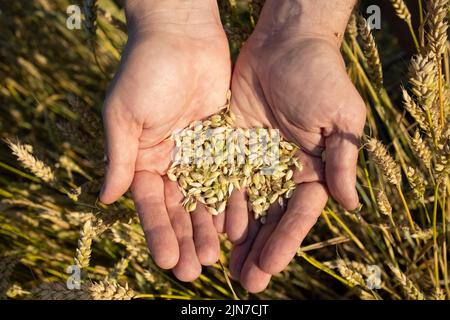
(175, 69)
(290, 75)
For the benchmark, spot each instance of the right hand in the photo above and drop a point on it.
(174, 70)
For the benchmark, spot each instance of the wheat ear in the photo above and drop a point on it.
(370, 52)
(437, 26)
(389, 168)
(401, 10)
(421, 149)
(383, 203)
(24, 154)
(83, 253)
(408, 286)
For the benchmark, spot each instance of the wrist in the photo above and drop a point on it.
(193, 16)
(305, 18)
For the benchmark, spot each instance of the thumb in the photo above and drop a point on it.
(341, 152)
(122, 141)
(341, 156)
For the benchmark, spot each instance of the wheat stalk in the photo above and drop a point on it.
(402, 11)
(437, 40)
(90, 18)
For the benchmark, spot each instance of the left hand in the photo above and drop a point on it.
(297, 84)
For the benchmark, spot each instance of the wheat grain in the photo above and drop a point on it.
(210, 180)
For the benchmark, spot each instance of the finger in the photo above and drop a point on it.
(313, 168)
(122, 138)
(240, 251)
(341, 155)
(303, 210)
(148, 195)
(188, 267)
(206, 240)
(341, 151)
(252, 277)
(219, 222)
(236, 224)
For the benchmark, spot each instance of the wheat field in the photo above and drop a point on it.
(52, 84)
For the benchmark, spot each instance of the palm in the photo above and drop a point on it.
(164, 83)
(300, 87)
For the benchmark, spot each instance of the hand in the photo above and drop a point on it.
(175, 69)
(297, 83)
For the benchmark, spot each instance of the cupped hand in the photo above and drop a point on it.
(297, 84)
(171, 74)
